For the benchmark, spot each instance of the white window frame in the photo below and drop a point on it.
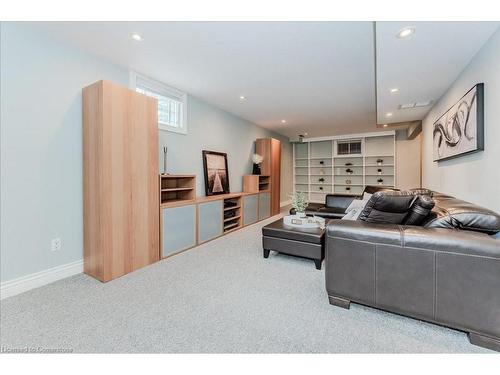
(168, 91)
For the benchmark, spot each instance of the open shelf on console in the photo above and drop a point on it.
(177, 188)
(232, 214)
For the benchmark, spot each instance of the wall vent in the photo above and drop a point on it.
(416, 104)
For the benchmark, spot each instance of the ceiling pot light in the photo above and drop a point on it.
(388, 114)
(405, 32)
(137, 37)
(394, 90)
(283, 121)
(243, 97)
(385, 125)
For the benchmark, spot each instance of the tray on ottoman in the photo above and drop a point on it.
(307, 243)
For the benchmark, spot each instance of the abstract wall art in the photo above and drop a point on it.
(460, 130)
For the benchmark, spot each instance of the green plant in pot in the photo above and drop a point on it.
(299, 203)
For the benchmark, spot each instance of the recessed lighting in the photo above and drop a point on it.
(385, 125)
(388, 114)
(137, 37)
(394, 90)
(405, 32)
(283, 121)
(305, 133)
(243, 97)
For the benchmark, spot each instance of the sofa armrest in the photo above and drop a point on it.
(437, 239)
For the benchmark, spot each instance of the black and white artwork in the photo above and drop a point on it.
(216, 172)
(460, 130)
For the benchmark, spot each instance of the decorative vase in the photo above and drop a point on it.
(256, 169)
(300, 214)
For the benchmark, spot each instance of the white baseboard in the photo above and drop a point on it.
(23, 284)
(286, 203)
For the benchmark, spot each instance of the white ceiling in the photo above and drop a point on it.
(423, 65)
(319, 76)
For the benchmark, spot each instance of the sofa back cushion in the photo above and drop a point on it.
(371, 189)
(450, 212)
(338, 200)
(388, 207)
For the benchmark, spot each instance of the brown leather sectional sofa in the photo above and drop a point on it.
(445, 271)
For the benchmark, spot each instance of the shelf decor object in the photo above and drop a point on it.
(460, 130)
(257, 160)
(165, 149)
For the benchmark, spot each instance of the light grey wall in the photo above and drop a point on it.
(41, 146)
(210, 128)
(475, 177)
(408, 160)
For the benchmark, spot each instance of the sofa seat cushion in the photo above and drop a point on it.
(451, 212)
(336, 212)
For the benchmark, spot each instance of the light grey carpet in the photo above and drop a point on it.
(221, 297)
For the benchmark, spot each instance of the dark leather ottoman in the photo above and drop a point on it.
(307, 243)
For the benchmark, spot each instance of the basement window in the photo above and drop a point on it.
(172, 103)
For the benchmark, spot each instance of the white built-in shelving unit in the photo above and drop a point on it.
(344, 164)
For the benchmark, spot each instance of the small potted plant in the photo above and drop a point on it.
(348, 188)
(349, 171)
(299, 203)
(321, 179)
(379, 171)
(257, 160)
(348, 164)
(348, 182)
(380, 181)
(380, 161)
(322, 162)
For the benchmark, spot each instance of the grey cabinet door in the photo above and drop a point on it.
(250, 209)
(264, 205)
(178, 229)
(209, 220)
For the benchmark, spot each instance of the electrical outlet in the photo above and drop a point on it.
(55, 244)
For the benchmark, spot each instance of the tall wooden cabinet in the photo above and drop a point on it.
(120, 180)
(270, 149)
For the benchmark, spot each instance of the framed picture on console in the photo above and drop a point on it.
(216, 172)
(460, 130)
